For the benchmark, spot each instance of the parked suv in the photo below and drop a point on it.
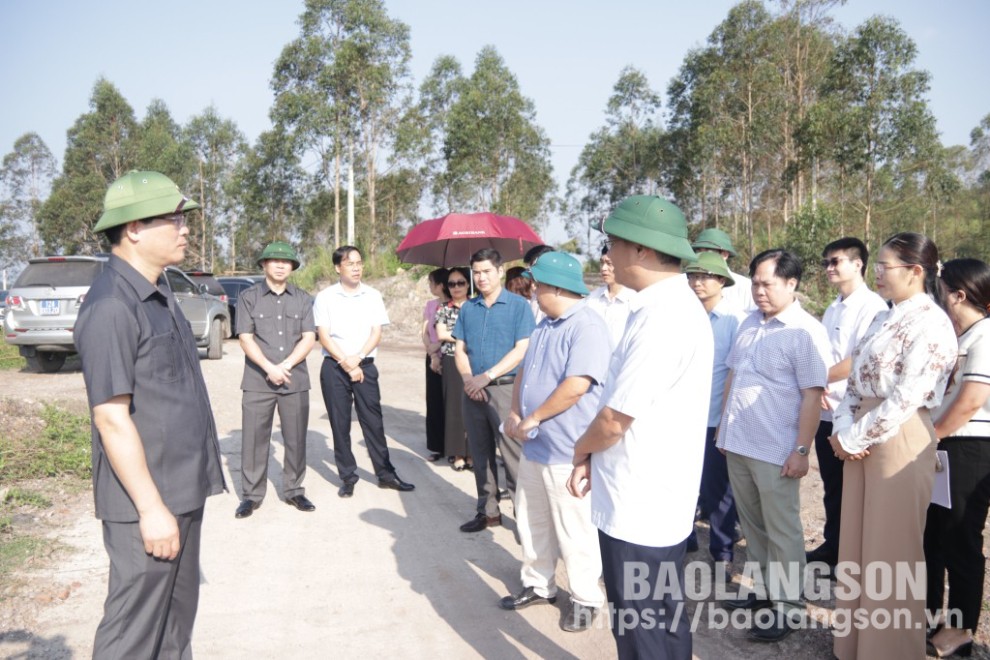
(208, 315)
(213, 287)
(43, 305)
(233, 285)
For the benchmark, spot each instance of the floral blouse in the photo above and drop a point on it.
(447, 314)
(905, 360)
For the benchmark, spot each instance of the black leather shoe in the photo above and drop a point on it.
(396, 484)
(300, 502)
(750, 602)
(480, 522)
(578, 618)
(821, 553)
(524, 598)
(246, 508)
(771, 631)
(347, 490)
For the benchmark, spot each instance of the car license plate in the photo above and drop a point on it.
(48, 307)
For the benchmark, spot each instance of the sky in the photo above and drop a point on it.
(566, 55)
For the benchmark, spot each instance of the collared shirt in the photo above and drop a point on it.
(904, 360)
(489, 333)
(561, 348)
(277, 321)
(725, 320)
(846, 321)
(741, 293)
(350, 316)
(134, 340)
(772, 360)
(615, 310)
(973, 365)
(645, 487)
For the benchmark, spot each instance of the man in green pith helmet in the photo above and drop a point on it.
(155, 452)
(276, 330)
(717, 241)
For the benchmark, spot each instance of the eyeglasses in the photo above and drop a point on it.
(833, 262)
(879, 269)
(700, 276)
(457, 283)
(177, 219)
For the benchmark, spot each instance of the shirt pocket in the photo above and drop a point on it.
(166, 356)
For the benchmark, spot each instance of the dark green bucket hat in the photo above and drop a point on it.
(561, 270)
(714, 239)
(279, 250)
(711, 264)
(139, 196)
(652, 222)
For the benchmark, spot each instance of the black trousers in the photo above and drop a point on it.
(954, 537)
(339, 393)
(831, 470)
(434, 410)
(644, 626)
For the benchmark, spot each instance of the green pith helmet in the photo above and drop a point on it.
(561, 270)
(711, 263)
(139, 196)
(714, 239)
(652, 222)
(279, 250)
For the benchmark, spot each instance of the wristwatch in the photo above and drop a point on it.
(801, 450)
(490, 375)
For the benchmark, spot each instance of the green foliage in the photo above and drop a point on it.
(63, 449)
(17, 550)
(25, 181)
(807, 234)
(23, 497)
(10, 357)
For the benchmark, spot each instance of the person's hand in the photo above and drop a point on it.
(579, 483)
(475, 384)
(356, 374)
(278, 374)
(510, 424)
(795, 467)
(842, 454)
(350, 363)
(826, 405)
(524, 427)
(435, 364)
(160, 532)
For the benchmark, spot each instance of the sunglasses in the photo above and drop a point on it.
(833, 262)
(457, 283)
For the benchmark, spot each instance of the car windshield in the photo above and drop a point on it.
(59, 273)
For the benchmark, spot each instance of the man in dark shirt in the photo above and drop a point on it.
(275, 328)
(155, 452)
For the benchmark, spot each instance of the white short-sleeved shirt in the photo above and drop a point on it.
(615, 311)
(973, 365)
(741, 293)
(644, 488)
(349, 316)
(846, 322)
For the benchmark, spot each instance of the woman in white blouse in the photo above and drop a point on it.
(883, 431)
(954, 537)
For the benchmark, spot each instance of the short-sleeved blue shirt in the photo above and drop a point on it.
(574, 344)
(489, 333)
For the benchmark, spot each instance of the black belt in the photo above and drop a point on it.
(503, 380)
(363, 363)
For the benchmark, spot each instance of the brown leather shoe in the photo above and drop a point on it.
(480, 522)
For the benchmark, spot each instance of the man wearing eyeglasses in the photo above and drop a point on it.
(155, 452)
(846, 321)
(717, 241)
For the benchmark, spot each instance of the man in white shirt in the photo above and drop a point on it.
(611, 300)
(717, 241)
(846, 321)
(349, 317)
(641, 456)
(778, 371)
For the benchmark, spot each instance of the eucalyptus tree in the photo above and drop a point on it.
(622, 157)
(216, 145)
(25, 180)
(161, 147)
(341, 87)
(495, 156)
(101, 146)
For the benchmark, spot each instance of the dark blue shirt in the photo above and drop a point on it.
(489, 333)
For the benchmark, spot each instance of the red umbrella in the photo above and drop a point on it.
(452, 239)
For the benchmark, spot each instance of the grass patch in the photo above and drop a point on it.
(62, 449)
(23, 497)
(15, 552)
(10, 358)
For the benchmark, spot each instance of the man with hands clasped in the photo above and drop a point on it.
(554, 399)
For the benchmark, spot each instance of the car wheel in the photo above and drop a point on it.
(47, 361)
(214, 351)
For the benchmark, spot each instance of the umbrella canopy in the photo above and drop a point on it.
(452, 239)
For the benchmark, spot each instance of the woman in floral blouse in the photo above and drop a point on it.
(455, 438)
(884, 433)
